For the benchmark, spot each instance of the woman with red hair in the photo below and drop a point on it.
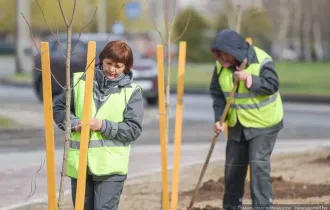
(117, 114)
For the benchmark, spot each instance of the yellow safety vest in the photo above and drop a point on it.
(252, 110)
(105, 156)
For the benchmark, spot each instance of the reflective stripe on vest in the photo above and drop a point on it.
(105, 156)
(97, 143)
(252, 109)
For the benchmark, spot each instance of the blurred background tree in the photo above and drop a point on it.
(7, 16)
(299, 35)
(256, 24)
(194, 35)
(85, 11)
(52, 13)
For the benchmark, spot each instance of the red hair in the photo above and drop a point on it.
(118, 51)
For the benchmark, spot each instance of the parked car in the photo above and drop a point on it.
(144, 69)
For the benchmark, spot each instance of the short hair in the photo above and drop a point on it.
(118, 51)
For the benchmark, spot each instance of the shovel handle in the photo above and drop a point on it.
(232, 94)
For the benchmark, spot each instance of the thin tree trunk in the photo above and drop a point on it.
(68, 100)
(67, 116)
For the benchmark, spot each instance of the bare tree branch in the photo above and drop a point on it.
(31, 33)
(63, 15)
(154, 22)
(73, 12)
(35, 44)
(33, 182)
(174, 17)
(184, 30)
(82, 28)
(44, 17)
(52, 76)
(166, 11)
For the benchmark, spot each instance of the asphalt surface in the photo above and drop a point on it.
(22, 153)
(302, 121)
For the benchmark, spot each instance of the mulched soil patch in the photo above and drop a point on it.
(325, 160)
(282, 189)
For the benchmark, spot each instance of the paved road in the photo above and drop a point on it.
(7, 65)
(22, 152)
(302, 121)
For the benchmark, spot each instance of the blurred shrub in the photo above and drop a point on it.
(195, 35)
(53, 15)
(256, 24)
(222, 22)
(7, 16)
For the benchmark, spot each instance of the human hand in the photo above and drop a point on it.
(218, 128)
(95, 124)
(240, 74)
(77, 127)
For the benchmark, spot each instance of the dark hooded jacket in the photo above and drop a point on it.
(267, 83)
(127, 131)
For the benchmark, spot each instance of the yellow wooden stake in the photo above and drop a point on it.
(49, 128)
(162, 126)
(249, 40)
(85, 130)
(178, 125)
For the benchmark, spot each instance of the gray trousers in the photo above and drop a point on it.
(257, 152)
(100, 195)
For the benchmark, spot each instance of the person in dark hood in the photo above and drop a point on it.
(117, 114)
(254, 119)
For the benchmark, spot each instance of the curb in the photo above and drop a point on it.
(285, 97)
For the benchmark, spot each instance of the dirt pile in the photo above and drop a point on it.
(325, 160)
(282, 189)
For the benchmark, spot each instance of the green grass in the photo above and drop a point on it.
(6, 122)
(303, 78)
(299, 78)
(20, 77)
(197, 76)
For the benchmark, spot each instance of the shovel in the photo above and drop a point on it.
(222, 120)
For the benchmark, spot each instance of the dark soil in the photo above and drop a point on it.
(282, 189)
(323, 160)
